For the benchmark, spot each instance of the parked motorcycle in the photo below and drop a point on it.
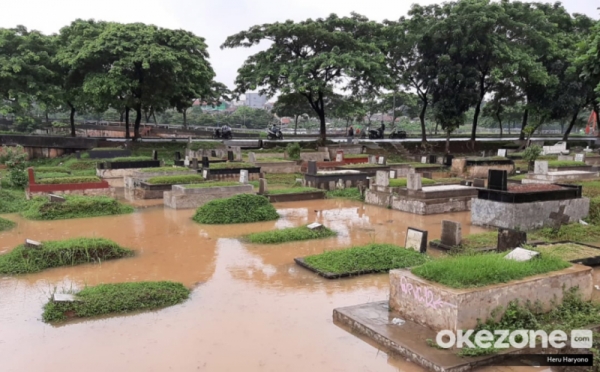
(223, 133)
(274, 134)
(398, 134)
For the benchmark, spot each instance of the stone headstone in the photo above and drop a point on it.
(195, 163)
(213, 153)
(244, 176)
(64, 297)
(432, 159)
(498, 180)
(451, 233)
(478, 182)
(392, 174)
(230, 156)
(520, 254)
(416, 239)
(78, 155)
(237, 151)
(154, 155)
(340, 184)
(252, 157)
(339, 156)
(205, 173)
(483, 154)
(579, 157)
(32, 244)
(205, 162)
(448, 160)
(262, 186)
(502, 153)
(177, 155)
(312, 167)
(315, 226)
(56, 199)
(509, 239)
(262, 175)
(587, 149)
(381, 160)
(186, 162)
(423, 159)
(372, 159)
(540, 167)
(190, 139)
(413, 181)
(383, 178)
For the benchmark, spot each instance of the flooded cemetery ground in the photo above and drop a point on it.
(251, 309)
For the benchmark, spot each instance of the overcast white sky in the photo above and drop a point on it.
(214, 20)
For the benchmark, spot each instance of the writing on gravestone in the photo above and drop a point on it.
(416, 239)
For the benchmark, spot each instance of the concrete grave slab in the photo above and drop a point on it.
(520, 254)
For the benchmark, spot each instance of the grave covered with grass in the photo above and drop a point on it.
(568, 251)
(75, 206)
(118, 298)
(175, 180)
(289, 235)
(231, 165)
(164, 169)
(372, 258)
(351, 193)
(565, 163)
(23, 260)
(6, 224)
(68, 180)
(401, 182)
(242, 208)
(480, 270)
(207, 184)
(293, 190)
(12, 201)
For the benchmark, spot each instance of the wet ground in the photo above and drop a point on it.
(252, 308)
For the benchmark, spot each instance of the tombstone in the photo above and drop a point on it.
(206, 173)
(238, 153)
(579, 157)
(416, 239)
(451, 233)
(339, 156)
(190, 139)
(423, 159)
(315, 226)
(478, 182)
(509, 239)
(383, 178)
(483, 154)
(244, 176)
(230, 156)
(312, 167)
(213, 153)
(520, 254)
(427, 175)
(56, 199)
(498, 180)
(340, 184)
(252, 157)
(154, 155)
(186, 162)
(432, 159)
(78, 155)
(381, 160)
(262, 186)
(178, 155)
(392, 174)
(502, 153)
(372, 159)
(448, 160)
(560, 218)
(205, 162)
(32, 244)
(540, 167)
(413, 181)
(195, 163)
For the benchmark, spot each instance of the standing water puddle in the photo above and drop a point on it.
(252, 308)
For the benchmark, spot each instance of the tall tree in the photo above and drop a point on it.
(292, 105)
(309, 58)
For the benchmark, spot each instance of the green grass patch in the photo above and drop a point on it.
(518, 177)
(479, 270)
(243, 208)
(423, 165)
(351, 193)
(356, 156)
(42, 176)
(106, 149)
(74, 164)
(175, 180)
(12, 201)
(63, 180)
(401, 182)
(6, 225)
(568, 251)
(574, 232)
(291, 234)
(293, 190)
(212, 184)
(284, 179)
(70, 252)
(128, 159)
(232, 165)
(51, 170)
(565, 163)
(117, 298)
(165, 149)
(164, 169)
(369, 258)
(75, 206)
(476, 241)
(205, 145)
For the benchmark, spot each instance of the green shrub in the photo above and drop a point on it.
(479, 270)
(175, 180)
(369, 258)
(51, 170)
(293, 151)
(231, 165)
(74, 207)
(6, 225)
(289, 235)
(63, 180)
(594, 214)
(164, 169)
(22, 260)
(352, 193)
(212, 184)
(12, 201)
(356, 156)
(117, 298)
(401, 182)
(84, 173)
(243, 208)
(531, 153)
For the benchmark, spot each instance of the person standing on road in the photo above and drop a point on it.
(351, 132)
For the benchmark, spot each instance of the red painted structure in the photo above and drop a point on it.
(33, 187)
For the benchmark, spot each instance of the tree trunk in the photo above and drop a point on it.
(72, 119)
(127, 136)
(138, 120)
(185, 119)
(597, 111)
(347, 123)
(422, 119)
(436, 128)
(447, 142)
(47, 119)
(499, 123)
(121, 119)
(476, 116)
(154, 116)
(571, 125)
(146, 116)
(510, 124)
(296, 125)
(524, 124)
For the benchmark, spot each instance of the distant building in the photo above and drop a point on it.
(255, 100)
(268, 106)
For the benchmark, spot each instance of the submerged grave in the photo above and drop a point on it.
(332, 180)
(136, 186)
(541, 174)
(525, 207)
(196, 195)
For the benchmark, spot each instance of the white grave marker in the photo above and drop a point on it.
(314, 226)
(416, 239)
(579, 157)
(502, 153)
(520, 254)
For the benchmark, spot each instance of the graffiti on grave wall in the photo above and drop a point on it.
(423, 295)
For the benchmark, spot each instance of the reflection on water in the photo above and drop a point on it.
(252, 309)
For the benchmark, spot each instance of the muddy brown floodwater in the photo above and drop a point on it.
(252, 308)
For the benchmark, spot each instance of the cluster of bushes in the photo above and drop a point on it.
(74, 207)
(12, 201)
(351, 193)
(243, 208)
(175, 180)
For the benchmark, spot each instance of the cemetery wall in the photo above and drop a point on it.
(443, 308)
